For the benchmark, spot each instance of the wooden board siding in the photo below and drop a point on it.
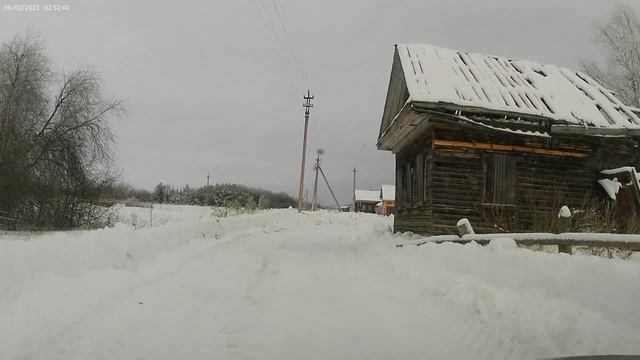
(415, 215)
(452, 186)
(387, 207)
(457, 188)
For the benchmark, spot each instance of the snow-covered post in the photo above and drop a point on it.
(564, 216)
(464, 227)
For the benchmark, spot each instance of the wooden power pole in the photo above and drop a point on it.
(314, 204)
(307, 106)
(329, 186)
(354, 188)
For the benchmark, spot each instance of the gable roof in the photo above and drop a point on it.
(388, 192)
(436, 77)
(368, 195)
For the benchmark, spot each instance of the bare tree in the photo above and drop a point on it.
(54, 138)
(24, 74)
(619, 38)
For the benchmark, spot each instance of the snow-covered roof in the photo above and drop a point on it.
(611, 187)
(368, 195)
(388, 192)
(439, 75)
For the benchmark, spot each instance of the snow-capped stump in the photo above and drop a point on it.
(564, 217)
(564, 212)
(464, 227)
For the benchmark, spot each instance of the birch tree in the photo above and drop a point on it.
(619, 39)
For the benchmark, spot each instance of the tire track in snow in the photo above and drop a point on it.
(110, 303)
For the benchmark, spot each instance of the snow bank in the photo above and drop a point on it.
(501, 244)
(321, 285)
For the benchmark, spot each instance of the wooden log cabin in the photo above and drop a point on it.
(495, 140)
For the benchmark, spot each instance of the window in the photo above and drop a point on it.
(412, 176)
(406, 186)
(500, 179)
(425, 172)
(399, 187)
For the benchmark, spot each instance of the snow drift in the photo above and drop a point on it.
(319, 285)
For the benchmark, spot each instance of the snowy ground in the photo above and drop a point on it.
(278, 285)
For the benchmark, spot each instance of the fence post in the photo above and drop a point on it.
(564, 248)
(564, 217)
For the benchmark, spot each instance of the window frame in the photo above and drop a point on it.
(425, 176)
(500, 179)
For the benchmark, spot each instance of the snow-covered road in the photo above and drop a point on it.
(278, 285)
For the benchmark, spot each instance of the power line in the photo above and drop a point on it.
(280, 15)
(290, 39)
(280, 35)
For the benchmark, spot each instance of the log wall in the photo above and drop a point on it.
(450, 180)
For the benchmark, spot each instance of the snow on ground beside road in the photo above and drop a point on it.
(279, 285)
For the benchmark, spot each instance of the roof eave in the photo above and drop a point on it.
(404, 126)
(564, 129)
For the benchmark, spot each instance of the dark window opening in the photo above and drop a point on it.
(406, 187)
(425, 171)
(399, 187)
(412, 173)
(500, 179)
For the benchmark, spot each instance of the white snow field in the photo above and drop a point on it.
(279, 285)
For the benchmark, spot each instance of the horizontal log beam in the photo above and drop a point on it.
(617, 241)
(507, 148)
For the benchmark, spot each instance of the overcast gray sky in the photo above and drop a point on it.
(217, 85)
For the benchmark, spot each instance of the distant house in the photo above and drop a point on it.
(496, 140)
(376, 201)
(366, 200)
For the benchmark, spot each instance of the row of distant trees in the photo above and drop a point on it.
(227, 195)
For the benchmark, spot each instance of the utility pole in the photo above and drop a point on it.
(354, 188)
(208, 176)
(307, 106)
(314, 205)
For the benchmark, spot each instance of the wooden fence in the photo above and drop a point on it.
(10, 223)
(564, 241)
